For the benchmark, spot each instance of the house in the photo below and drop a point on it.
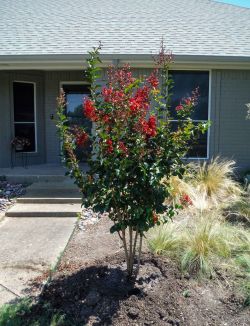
(44, 45)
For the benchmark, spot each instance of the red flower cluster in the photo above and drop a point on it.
(89, 110)
(81, 138)
(139, 103)
(152, 126)
(105, 118)
(165, 57)
(121, 77)
(189, 102)
(110, 147)
(186, 200)
(155, 218)
(153, 80)
(148, 127)
(179, 107)
(112, 96)
(122, 147)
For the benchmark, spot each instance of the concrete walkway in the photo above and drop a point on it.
(32, 244)
(28, 247)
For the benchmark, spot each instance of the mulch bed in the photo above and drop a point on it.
(90, 287)
(101, 294)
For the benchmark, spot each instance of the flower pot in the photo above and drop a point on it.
(19, 147)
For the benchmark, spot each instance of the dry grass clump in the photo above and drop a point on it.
(239, 211)
(202, 240)
(215, 180)
(201, 243)
(207, 184)
(165, 239)
(177, 188)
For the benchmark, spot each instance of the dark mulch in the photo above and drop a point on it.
(90, 287)
(101, 294)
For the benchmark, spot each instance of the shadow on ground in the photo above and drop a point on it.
(101, 295)
(90, 296)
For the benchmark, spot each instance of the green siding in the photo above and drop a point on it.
(229, 133)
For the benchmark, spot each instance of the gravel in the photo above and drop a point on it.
(89, 217)
(8, 192)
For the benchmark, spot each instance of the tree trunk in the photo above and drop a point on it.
(130, 250)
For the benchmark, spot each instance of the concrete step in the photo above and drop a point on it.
(64, 185)
(51, 195)
(28, 179)
(45, 210)
(45, 200)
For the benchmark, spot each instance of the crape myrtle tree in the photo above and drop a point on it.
(134, 146)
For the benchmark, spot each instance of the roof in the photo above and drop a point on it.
(131, 27)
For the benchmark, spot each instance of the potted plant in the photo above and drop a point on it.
(20, 143)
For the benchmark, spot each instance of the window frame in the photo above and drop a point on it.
(208, 113)
(61, 83)
(77, 83)
(35, 113)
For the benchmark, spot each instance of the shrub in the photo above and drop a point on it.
(200, 243)
(133, 148)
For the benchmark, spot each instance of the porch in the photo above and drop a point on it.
(36, 173)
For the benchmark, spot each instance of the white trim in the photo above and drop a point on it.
(74, 66)
(35, 113)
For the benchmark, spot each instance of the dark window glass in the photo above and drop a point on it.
(184, 83)
(24, 114)
(27, 131)
(199, 147)
(75, 95)
(23, 102)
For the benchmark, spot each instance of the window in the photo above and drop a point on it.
(24, 113)
(75, 94)
(184, 83)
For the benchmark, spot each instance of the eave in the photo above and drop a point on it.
(78, 61)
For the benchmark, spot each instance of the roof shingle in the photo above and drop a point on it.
(189, 27)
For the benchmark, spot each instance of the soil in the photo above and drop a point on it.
(91, 287)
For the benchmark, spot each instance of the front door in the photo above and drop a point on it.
(75, 94)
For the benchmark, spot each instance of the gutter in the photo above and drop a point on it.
(78, 61)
